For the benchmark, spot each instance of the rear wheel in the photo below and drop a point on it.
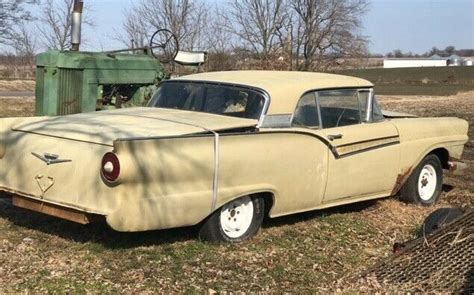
(424, 184)
(236, 221)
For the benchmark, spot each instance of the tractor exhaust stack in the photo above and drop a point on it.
(76, 24)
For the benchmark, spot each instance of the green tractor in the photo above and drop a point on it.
(69, 82)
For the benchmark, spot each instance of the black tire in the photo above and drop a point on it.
(214, 231)
(410, 191)
(439, 218)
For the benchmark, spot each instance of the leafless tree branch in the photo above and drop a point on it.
(327, 30)
(256, 23)
(14, 18)
(56, 22)
(187, 19)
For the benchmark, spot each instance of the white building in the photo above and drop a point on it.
(415, 62)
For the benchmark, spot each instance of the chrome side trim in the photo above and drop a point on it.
(266, 105)
(364, 149)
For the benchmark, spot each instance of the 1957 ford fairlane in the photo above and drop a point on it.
(222, 150)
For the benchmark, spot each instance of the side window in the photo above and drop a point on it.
(306, 113)
(339, 107)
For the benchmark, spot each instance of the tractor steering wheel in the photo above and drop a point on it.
(164, 45)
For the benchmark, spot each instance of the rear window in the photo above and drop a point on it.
(209, 98)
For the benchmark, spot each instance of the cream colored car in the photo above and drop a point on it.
(224, 149)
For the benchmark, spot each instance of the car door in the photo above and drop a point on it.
(364, 155)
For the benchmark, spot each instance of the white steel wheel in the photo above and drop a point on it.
(424, 184)
(236, 217)
(427, 182)
(234, 222)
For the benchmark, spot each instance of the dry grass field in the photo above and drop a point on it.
(418, 81)
(312, 252)
(17, 85)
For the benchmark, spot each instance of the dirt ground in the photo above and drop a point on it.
(318, 251)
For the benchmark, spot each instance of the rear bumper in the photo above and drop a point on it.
(52, 209)
(55, 210)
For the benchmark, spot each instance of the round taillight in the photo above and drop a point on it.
(110, 168)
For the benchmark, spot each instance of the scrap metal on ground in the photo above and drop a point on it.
(442, 261)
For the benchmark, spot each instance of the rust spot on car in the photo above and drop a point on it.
(401, 179)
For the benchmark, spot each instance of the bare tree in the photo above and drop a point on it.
(23, 40)
(257, 24)
(135, 31)
(56, 23)
(217, 38)
(13, 18)
(327, 30)
(218, 42)
(184, 18)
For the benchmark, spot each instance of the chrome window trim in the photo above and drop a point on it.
(318, 107)
(368, 110)
(265, 108)
(370, 105)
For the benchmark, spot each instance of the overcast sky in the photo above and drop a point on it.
(409, 25)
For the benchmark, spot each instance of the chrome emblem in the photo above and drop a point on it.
(50, 158)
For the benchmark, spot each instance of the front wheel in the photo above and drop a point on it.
(424, 184)
(236, 221)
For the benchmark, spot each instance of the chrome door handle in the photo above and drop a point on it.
(334, 136)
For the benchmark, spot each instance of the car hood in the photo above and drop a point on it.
(106, 126)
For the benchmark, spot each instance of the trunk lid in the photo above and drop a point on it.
(106, 126)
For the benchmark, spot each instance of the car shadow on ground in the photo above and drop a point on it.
(305, 216)
(102, 234)
(447, 188)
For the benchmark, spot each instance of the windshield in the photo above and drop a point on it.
(209, 98)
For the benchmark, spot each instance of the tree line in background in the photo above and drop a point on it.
(448, 51)
(308, 35)
(282, 34)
